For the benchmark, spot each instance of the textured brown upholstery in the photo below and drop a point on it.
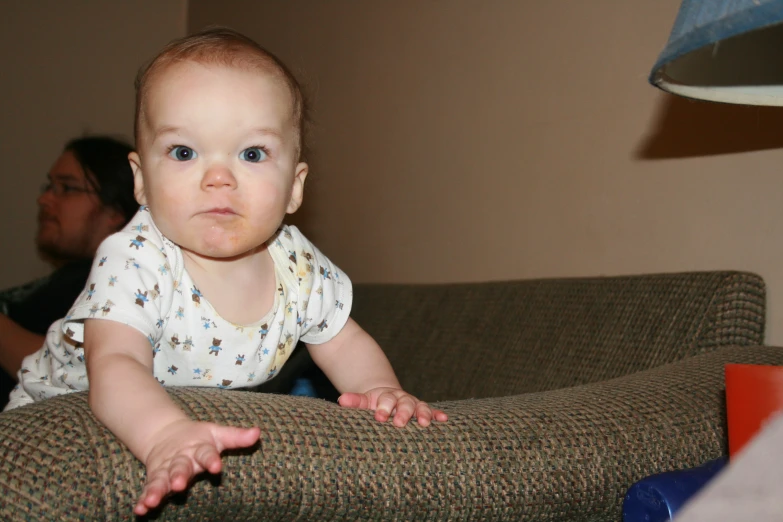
(646, 397)
(493, 339)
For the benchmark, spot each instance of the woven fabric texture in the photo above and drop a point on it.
(565, 454)
(479, 340)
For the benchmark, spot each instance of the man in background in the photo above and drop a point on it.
(88, 195)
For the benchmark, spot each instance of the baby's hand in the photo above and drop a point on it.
(184, 449)
(386, 400)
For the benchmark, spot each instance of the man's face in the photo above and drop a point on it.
(71, 219)
(217, 162)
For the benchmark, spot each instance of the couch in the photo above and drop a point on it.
(561, 394)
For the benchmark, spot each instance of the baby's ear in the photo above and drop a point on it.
(297, 191)
(138, 179)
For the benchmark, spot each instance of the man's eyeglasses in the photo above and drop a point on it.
(64, 189)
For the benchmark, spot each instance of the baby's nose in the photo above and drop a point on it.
(218, 176)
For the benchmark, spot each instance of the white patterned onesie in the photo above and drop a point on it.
(138, 278)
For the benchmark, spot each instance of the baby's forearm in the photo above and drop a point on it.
(354, 362)
(123, 394)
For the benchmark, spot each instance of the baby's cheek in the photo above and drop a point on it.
(169, 210)
(272, 197)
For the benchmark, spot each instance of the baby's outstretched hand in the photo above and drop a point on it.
(184, 449)
(393, 401)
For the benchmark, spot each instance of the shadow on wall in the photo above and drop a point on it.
(690, 128)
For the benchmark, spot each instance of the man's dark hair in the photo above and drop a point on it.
(105, 163)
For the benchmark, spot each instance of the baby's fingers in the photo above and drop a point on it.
(354, 400)
(387, 402)
(440, 415)
(406, 406)
(425, 414)
(150, 498)
(208, 457)
(162, 481)
(230, 437)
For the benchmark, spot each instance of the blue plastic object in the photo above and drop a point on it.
(303, 387)
(658, 497)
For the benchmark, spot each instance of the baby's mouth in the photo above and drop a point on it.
(222, 211)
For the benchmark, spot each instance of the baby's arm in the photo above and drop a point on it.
(125, 397)
(352, 360)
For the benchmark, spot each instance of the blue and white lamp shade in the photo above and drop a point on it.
(725, 51)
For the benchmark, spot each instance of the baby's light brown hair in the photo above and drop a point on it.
(223, 47)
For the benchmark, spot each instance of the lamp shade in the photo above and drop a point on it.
(725, 51)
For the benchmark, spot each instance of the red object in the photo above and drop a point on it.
(753, 394)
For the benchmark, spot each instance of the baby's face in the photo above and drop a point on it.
(217, 160)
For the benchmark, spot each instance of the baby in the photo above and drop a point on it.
(205, 286)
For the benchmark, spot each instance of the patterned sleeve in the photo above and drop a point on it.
(130, 282)
(325, 293)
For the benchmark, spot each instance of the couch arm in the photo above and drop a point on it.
(565, 454)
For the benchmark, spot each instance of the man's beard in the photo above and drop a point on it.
(58, 255)
(56, 246)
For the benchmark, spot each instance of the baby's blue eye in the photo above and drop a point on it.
(182, 153)
(253, 154)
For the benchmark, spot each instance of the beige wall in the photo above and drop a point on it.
(463, 140)
(68, 69)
